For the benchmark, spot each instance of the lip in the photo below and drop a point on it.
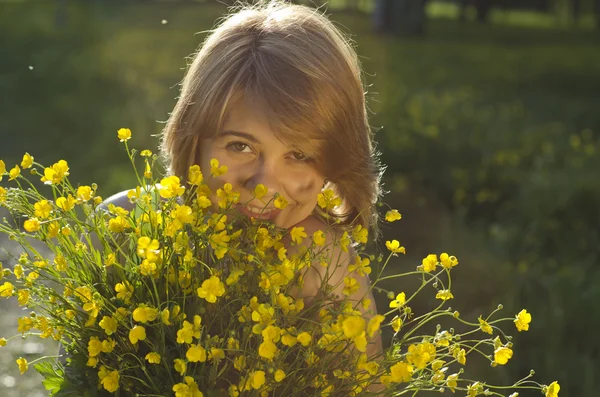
(259, 213)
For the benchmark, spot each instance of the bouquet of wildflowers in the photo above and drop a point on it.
(174, 297)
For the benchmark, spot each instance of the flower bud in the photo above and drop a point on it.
(500, 307)
(456, 314)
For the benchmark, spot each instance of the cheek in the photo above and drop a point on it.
(304, 189)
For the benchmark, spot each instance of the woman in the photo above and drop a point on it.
(275, 93)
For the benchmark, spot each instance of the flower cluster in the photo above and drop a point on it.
(179, 295)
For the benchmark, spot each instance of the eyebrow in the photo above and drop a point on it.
(240, 134)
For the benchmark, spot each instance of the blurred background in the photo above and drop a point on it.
(487, 115)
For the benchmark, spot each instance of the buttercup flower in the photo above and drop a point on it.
(392, 216)
(124, 134)
(522, 320)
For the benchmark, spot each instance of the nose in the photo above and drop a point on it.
(265, 173)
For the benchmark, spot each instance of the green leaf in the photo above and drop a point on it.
(53, 376)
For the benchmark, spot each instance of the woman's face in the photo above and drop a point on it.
(254, 155)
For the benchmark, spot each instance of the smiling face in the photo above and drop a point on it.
(255, 155)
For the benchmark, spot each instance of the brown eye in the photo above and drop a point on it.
(299, 156)
(240, 147)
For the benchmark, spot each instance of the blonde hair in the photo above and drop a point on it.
(304, 72)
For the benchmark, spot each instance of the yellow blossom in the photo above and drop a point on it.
(195, 176)
(146, 153)
(451, 382)
(2, 169)
(216, 170)
(401, 372)
(399, 301)
(260, 191)
(84, 193)
(66, 203)
(429, 263)
(319, 238)
(353, 326)
(124, 134)
(2, 193)
(485, 326)
(257, 379)
(31, 225)
(297, 234)
(180, 366)
(55, 174)
(117, 224)
(211, 289)
(448, 262)
(522, 320)
(124, 291)
(361, 266)
(392, 216)
(144, 314)
(196, 353)
(502, 355)
(461, 356)
(23, 365)
(136, 334)
(304, 338)
(394, 247)
(279, 375)
(42, 209)
(219, 242)
(374, 323)
(111, 381)
(444, 295)
(216, 354)
(170, 187)
(267, 349)
(280, 202)
(94, 346)
(108, 324)
(396, 324)
(153, 358)
(360, 234)
(23, 297)
(2, 342)
(421, 354)
(552, 390)
(350, 286)
(7, 290)
(14, 173)
(328, 200)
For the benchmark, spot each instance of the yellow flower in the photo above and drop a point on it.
(180, 366)
(216, 354)
(522, 320)
(461, 356)
(219, 242)
(108, 324)
(421, 354)
(328, 200)
(117, 224)
(267, 349)
(84, 193)
(14, 173)
(124, 134)
(257, 379)
(444, 295)
(260, 191)
(124, 291)
(396, 324)
(553, 389)
(144, 314)
(279, 375)
(401, 372)
(195, 176)
(66, 203)
(485, 326)
(360, 234)
(170, 187)
(2, 342)
(55, 174)
(94, 346)
(27, 161)
(23, 297)
(353, 326)
(31, 225)
(374, 323)
(42, 209)
(448, 262)
(111, 381)
(23, 365)
(429, 263)
(195, 354)
(280, 202)
(297, 234)
(7, 290)
(2, 169)
(146, 153)
(350, 286)
(2, 193)
(153, 358)
(399, 301)
(451, 381)
(304, 338)
(108, 345)
(502, 355)
(215, 169)
(136, 334)
(392, 216)
(361, 266)
(319, 238)
(211, 289)
(148, 171)
(395, 247)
